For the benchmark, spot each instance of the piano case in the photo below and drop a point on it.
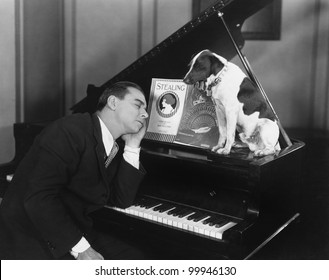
(259, 196)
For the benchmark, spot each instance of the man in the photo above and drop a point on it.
(45, 213)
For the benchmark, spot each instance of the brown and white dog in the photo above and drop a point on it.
(239, 104)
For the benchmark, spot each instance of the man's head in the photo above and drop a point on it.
(122, 107)
(119, 89)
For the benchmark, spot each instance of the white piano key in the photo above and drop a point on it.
(208, 230)
(165, 216)
(219, 233)
(194, 226)
(146, 213)
(186, 222)
(199, 224)
(176, 221)
(133, 210)
(149, 213)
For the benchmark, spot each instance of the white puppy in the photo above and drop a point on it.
(239, 104)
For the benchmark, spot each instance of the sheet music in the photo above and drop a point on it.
(181, 114)
(167, 100)
(198, 126)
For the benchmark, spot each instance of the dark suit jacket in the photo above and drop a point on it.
(62, 179)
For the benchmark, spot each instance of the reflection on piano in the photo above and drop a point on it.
(195, 204)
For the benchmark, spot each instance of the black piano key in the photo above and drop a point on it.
(200, 217)
(219, 223)
(163, 207)
(209, 221)
(157, 208)
(212, 222)
(194, 216)
(197, 216)
(174, 211)
(141, 202)
(216, 221)
(185, 213)
(166, 208)
(151, 203)
(179, 211)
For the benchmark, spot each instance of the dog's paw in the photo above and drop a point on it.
(223, 151)
(218, 146)
(264, 152)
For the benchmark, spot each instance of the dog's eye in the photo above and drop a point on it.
(198, 66)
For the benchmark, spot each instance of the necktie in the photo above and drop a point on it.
(112, 154)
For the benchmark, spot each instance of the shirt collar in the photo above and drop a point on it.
(107, 137)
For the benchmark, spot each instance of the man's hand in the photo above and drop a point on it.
(133, 140)
(90, 254)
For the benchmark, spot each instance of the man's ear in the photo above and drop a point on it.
(112, 102)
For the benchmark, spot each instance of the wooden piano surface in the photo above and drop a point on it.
(259, 195)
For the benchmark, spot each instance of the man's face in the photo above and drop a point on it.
(131, 111)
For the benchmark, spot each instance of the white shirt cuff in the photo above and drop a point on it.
(80, 247)
(131, 155)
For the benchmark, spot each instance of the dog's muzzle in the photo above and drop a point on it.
(200, 85)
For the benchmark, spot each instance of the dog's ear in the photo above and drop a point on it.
(191, 59)
(200, 52)
(216, 65)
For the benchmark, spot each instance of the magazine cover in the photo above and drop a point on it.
(165, 109)
(198, 125)
(181, 114)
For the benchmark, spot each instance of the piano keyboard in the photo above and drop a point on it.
(179, 217)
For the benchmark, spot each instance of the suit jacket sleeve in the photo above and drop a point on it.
(126, 183)
(57, 156)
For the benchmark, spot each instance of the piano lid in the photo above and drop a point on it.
(170, 58)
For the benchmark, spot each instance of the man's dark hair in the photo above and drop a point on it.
(119, 89)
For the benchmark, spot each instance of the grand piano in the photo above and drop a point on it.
(193, 203)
